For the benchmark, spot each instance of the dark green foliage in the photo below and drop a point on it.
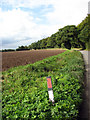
(62, 45)
(66, 35)
(70, 36)
(25, 93)
(7, 50)
(84, 34)
(20, 48)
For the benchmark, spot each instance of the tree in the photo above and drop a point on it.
(69, 36)
(83, 33)
(44, 43)
(22, 48)
(62, 45)
(84, 37)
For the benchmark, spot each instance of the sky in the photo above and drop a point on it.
(23, 22)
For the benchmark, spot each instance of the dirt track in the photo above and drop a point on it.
(13, 59)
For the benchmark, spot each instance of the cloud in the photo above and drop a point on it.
(24, 3)
(23, 22)
(15, 25)
(12, 42)
(68, 12)
(19, 27)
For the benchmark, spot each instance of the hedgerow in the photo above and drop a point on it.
(25, 93)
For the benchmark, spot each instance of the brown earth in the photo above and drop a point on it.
(17, 58)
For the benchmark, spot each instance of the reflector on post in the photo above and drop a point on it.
(50, 90)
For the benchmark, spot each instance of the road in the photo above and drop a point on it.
(85, 106)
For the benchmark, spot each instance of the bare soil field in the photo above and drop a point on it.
(17, 58)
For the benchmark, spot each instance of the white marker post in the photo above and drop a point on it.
(50, 90)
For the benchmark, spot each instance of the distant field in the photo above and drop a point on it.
(13, 59)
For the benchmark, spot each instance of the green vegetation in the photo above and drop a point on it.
(84, 33)
(70, 36)
(25, 93)
(22, 48)
(7, 50)
(65, 38)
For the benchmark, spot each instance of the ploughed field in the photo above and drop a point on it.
(17, 58)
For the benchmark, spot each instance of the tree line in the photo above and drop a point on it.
(70, 36)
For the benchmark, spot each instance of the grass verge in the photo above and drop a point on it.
(25, 92)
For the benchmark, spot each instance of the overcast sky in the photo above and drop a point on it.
(25, 21)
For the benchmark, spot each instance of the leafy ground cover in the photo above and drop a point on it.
(25, 93)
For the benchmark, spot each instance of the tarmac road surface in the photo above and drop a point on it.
(85, 107)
